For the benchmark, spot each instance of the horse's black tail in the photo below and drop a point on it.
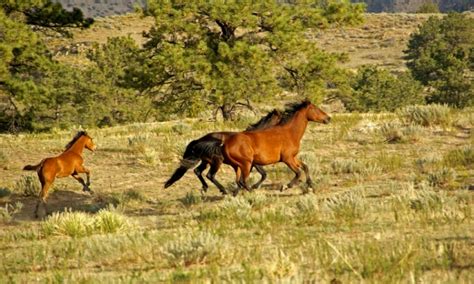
(195, 151)
(32, 167)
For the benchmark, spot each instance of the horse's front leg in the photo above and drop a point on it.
(85, 187)
(295, 167)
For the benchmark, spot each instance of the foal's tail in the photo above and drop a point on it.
(192, 155)
(33, 167)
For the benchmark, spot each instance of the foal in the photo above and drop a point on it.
(280, 143)
(68, 163)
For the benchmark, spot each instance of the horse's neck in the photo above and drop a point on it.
(78, 146)
(297, 125)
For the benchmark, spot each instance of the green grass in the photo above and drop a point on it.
(379, 212)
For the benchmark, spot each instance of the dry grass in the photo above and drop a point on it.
(382, 212)
(391, 201)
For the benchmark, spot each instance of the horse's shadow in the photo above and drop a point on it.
(58, 201)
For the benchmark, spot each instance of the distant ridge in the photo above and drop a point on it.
(409, 6)
(102, 8)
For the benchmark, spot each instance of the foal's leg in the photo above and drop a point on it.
(45, 184)
(82, 170)
(81, 181)
(198, 171)
(264, 176)
(211, 175)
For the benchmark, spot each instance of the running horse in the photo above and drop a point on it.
(207, 150)
(280, 143)
(68, 163)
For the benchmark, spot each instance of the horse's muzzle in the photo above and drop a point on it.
(327, 120)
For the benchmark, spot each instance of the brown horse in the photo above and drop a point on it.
(207, 150)
(68, 163)
(279, 143)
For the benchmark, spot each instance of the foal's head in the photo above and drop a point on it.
(90, 145)
(314, 113)
(82, 135)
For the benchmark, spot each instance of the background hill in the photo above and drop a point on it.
(101, 8)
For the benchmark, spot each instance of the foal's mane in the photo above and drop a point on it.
(264, 121)
(75, 138)
(291, 109)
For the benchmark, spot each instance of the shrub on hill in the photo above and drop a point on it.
(377, 89)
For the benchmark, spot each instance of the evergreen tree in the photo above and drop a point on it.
(440, 56)
(229, 54)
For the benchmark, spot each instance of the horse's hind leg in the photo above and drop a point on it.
(211, 175)
(198, 171)
(264, 176)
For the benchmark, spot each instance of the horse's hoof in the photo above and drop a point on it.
(284, 187)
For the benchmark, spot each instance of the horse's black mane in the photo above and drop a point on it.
(291, 109)
(264, 121)
(77, 136)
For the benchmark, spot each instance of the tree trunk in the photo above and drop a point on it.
(226, 110)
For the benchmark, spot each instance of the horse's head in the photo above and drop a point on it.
(89, 143)
(316, 114)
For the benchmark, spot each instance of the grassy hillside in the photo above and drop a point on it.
(391, 204)
(380, 40)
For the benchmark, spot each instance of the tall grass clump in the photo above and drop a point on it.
(7, 212)
(27, 185)
(442, 177)
(80, 224)
(191, 199)
(353, 166)
(110, 221)
(141, 146)
(3, 158)
(426, 115)
(459, 157)
(68, 223)
(188, 249)
(393, 132)
(347, 207)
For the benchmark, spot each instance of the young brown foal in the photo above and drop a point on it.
(68, 163)
(279, 143)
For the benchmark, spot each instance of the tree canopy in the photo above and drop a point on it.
(228, 53)
(440, 55)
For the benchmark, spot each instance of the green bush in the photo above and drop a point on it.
(378, 90)
(428, 8)
(440, 55)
